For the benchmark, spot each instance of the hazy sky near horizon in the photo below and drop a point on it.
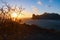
(37, 6)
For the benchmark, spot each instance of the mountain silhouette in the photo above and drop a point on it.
(52, 16)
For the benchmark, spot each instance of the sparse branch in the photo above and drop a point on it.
(21, 9)
(7, 5)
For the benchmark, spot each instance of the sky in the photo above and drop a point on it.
(36, 6)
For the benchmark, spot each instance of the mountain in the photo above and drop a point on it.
(52, 16)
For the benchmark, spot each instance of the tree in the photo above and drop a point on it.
(21, 9)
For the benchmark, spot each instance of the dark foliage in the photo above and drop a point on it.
(10, 30)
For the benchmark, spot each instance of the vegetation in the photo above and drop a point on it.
(7, 11)
(11, 30)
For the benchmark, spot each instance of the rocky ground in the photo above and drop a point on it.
(10, 30)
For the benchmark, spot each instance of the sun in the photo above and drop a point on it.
(14, 15)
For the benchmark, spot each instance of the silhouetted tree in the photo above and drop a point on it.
(21, 9)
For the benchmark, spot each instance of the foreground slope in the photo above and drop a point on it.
(10, 30)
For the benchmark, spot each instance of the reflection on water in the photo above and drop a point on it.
(50, 24)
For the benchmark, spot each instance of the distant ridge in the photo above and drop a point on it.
(52, 16)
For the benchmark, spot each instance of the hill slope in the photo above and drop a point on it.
(10, 30)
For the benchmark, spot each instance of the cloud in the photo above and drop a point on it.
(50, 0)
(35, 10)
(48, 6)
(39, 2)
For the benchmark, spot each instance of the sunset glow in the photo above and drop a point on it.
(19, 9)
(14, 15)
